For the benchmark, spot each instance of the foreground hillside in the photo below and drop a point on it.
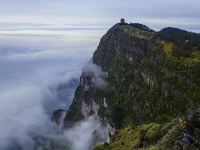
(150, 95)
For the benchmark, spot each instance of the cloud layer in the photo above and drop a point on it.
(38, 75)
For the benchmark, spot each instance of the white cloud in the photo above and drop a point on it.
(83, 134)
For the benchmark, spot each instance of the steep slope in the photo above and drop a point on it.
(150, 77)
(122, 47)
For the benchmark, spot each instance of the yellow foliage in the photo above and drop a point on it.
(182, 123)
(168, 48)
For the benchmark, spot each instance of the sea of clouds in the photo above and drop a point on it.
(39, 74)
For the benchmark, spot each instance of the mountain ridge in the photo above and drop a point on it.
(151, 77)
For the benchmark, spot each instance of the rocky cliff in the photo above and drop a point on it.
(141, 86)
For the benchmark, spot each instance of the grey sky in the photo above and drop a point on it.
(173, 12)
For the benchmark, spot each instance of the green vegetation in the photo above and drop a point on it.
(150, 136)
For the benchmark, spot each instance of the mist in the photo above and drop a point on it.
(39, 75)
(85, 134)
(96, 73)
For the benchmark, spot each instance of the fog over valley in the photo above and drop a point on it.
(38, 75)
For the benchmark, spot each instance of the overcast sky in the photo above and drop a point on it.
(104, 12)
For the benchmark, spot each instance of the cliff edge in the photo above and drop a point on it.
(142, 85)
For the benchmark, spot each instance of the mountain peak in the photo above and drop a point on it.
(146, 82)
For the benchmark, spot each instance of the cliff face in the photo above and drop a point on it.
(148, 77)
(120, 51)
